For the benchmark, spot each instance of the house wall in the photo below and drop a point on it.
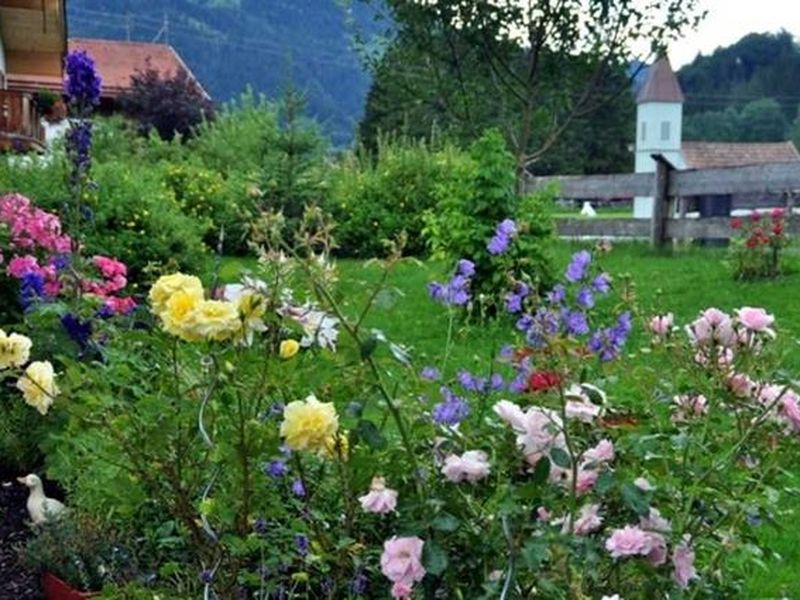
(658, 131)
(33, 35)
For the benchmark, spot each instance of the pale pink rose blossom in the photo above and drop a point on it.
(401, 591)
(586, 480)
(603, 452)
(471, 466)
(658, 549)
(629, 541)
(655, 522)
(741, 385)
(510, 413)
(790, 410)
(585, 412)
(588, 521)
(538, 429)
(401, 561)
(713, 326)
(756, 319)
(683, 563)
(543, 514)
(661, 325)
(643, 484)
(380, 499)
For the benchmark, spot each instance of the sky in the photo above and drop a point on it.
(730, 20)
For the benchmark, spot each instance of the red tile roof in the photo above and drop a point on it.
(704, 155)
(661, 84)
(117, 61)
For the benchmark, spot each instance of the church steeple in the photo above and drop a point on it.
(661, 85)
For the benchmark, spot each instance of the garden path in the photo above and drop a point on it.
(15, 581)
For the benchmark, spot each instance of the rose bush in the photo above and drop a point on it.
(757, 249)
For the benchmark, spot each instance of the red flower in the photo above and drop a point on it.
(755, 216)
(777, 213)
(777, 228)
(543, 380)
(736, 223)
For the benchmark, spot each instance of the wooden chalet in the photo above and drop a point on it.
(33, 43)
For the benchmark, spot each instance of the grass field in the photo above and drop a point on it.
(682, 281)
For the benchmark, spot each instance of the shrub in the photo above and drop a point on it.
(473, 206)
(375, 199)
(757, 249)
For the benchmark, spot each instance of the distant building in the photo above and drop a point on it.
(118, 61)
(659, 123)
(32, 46)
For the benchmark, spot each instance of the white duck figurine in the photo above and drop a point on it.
(40, 507)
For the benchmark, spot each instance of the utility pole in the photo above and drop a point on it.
(164, 31)
(128, 25)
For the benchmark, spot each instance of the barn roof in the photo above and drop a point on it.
(117, 61)
(704, 155)
(661, 85)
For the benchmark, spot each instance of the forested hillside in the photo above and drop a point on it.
(230, 44)
(749, 91)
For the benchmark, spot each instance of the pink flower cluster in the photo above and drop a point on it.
(471, 466)
(38, 246)
(401, 563)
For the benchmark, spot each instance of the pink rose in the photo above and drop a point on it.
(603, 452)
(586, 480)
(19, 266)
(471, 466)
(658, 552)
(585, 412)
(380, 499)
(543, 514)
(510, 413)
(401, 561)
(683, 564)
(588, 521)
(741, 385)
(756, 319)
(629, 541)
(661, 325)
(401, 590)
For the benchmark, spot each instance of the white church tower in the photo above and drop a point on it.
(659, 118)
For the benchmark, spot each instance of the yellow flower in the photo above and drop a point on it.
(251, 307)
(337, 446)
(309, 424)
(168, 285)
(288, 349)
(178, 316)
(15, 350)
(216, 320)
(38, 386)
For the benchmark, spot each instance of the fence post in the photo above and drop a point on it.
(661, 208)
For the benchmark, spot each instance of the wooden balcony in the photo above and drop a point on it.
(21, 127)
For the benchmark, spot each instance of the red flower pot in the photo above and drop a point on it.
(56, 589)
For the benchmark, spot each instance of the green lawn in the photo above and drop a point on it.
(682, 281)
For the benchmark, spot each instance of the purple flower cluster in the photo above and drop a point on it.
(602, 283)
(456, 291)
(430, 373)
(607, 343)
(575, 322)
(515, 298)
(471, 383)
(78, 330)
(519, 384)
(31, 289)
(501, 240)
(452, 410)
(578, 267)
(79, 145)
(538, 327)
(585, 298)
(83, 84)
(276, 469)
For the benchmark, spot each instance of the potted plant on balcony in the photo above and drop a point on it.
(76, 558)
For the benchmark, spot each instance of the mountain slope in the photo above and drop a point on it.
(230, 44)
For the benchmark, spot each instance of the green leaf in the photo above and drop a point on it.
(560, 458)
(445, 522)
(434, 558)
(534, 553)
(635, 499)
(542, 470)
(371, 434)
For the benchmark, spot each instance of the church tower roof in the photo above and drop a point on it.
(661, 85)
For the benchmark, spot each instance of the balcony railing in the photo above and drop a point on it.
(20, 123)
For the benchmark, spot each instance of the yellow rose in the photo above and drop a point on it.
(38, 386)
(288, 349)
(178, 316)
(168, 285)
(309, 424)
(216, 320)
(15, 350)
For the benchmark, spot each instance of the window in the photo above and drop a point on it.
(644, 130)
(664, 131)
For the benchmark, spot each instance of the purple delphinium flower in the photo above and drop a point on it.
(206, 576)
(575, 322)
(430, 373)
(602, 283)
(452, 410)
(496, 382)
(506, 227)
(557, 294)
(31, 288)
(83, 84)
(524, 323)
(519, 384)
(506, 352)
(576, 270)
(465, 267)
(301, 541)
(470, 382)
(437, 291)
(359, 583)
(501, 240)
(61, 262)
(607, 343)
(79, 145)
(456, 291)
(545, 325)
(515, 298)
(276, 469)
(585, 298)
(79, 331)
(298, 489)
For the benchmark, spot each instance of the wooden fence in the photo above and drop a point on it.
(670, 190)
